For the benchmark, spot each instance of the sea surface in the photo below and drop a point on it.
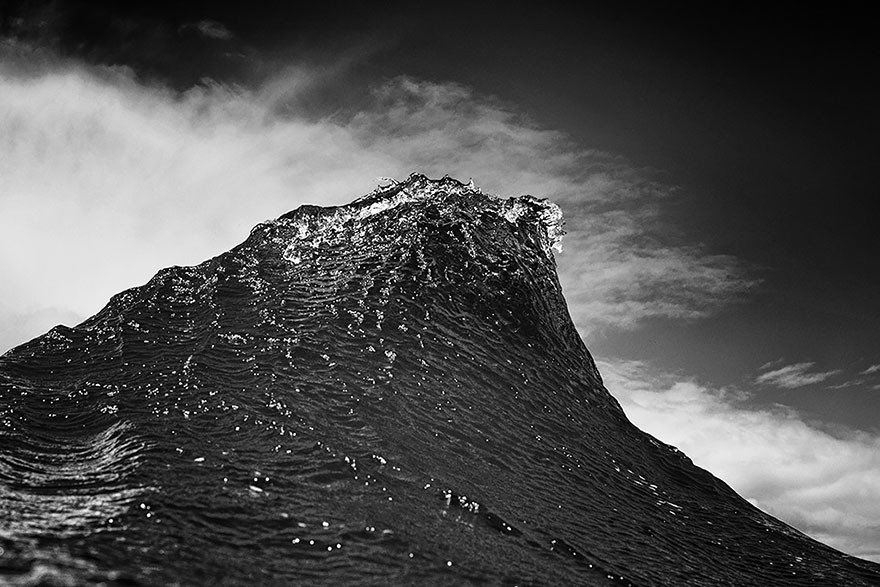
(390, 392)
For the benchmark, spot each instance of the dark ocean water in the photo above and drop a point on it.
(390, 392)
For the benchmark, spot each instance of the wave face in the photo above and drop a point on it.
(389, 392)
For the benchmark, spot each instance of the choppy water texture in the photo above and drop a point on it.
(389, 392)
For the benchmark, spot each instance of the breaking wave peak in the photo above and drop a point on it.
(443, 198)
(388, 392)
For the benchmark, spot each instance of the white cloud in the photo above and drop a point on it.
(871, 370)
(826, 485)
(618, 278)
(106, 180)
(794, 376)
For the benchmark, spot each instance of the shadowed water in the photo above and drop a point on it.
(389, 392)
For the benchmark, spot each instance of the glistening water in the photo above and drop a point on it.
(388, 392)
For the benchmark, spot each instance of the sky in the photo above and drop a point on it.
(714, 163)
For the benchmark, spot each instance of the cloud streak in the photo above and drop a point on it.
(213, 30)
(620, 278)
(107, 179)
(794, 376)
(826, 485)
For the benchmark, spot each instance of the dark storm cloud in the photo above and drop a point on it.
(168, 43)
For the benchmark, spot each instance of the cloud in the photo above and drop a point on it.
(826, 485)
(213, 30)
(794, 376)
(871, 370)
(107, 179)
(618, 278)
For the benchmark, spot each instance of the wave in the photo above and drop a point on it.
(388, 392)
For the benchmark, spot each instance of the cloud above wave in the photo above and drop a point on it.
(825, 484)
(107, 179)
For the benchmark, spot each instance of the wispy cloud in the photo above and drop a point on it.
(824, 484)
(619, 278)
(106, 180)
(871, 370)
(794, 376)
(213, 30)
(617, 268)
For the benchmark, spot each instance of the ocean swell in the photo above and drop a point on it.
(388, 392)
